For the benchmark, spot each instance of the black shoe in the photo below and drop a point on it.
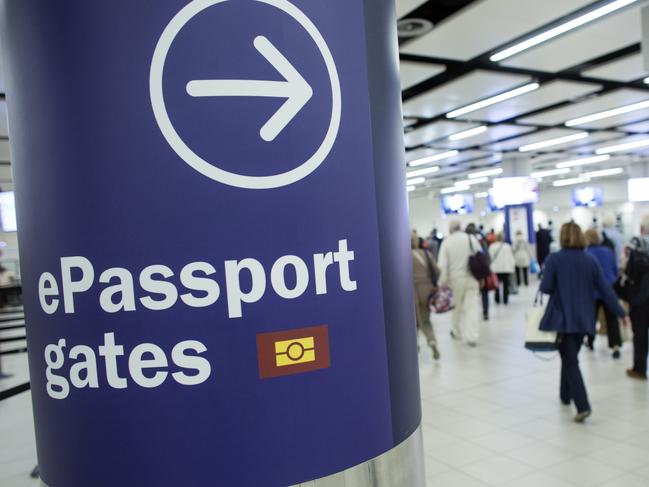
(485, 317)
(565, 403)
(633, 374)
(616, 354)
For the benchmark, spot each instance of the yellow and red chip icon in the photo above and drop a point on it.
(293, 351)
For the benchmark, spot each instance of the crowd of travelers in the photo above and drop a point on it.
(592, 278)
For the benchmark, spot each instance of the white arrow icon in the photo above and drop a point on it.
(295, 89)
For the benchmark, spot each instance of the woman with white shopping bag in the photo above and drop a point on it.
(573, 278)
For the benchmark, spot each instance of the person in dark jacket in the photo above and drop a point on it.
(543, 243)
(637, 273)
(573, 278)
(607, 261)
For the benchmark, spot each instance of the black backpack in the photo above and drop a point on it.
(478, 263)
(637, 272)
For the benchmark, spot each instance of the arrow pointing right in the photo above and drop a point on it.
(295, 89)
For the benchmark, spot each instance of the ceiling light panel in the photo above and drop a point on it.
(467, 89)
(610, 114)
(591, 41)
(414, 73)
(604, 173)
(508, 19)
(628, 145)
(496, 171)
(613, 122)
(494, 100)
(611, 100)
(549, 173)
(629, 68)
(437, 157)
(582, 161)
(570, 182)
(514, 144)
(422, 172)
(415, 181)
(596, 139)
(461, 157)
(434, 131)
(468, 134)
(553, 143)
(496, 132)
(548, 94)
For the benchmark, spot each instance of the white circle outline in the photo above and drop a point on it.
(195, 161)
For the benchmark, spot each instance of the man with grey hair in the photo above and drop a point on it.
(454, 272)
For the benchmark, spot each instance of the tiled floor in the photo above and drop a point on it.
(492, 416)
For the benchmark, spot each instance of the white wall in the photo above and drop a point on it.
(555, 204)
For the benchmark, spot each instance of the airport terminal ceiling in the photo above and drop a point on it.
(558, 81)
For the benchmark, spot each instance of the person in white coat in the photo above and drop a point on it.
(523, 258)
(454, 272)
(503, 264)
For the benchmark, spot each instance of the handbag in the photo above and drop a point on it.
(537, 340)
(492, 283)
(441, 300)
(478, 263)
(535, 268)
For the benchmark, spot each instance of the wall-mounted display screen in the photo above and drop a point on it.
(515, 191)
(7, 212)
(492, 203)
(457, 204)
(638, 189)
(588, 196)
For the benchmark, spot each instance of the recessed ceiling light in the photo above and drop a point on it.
(608, 114)
(583, 162)
(561, 29)
(415, 181)
(604, 173)
(646, 81)
(471, 182)
(493, 100)
(433, 158)
(552, 142)
(422, 172)
(489, 172)
(465, 134)
(549, 173)
(484, 194)
(411, 189)
(454, 189)
(570, 182)
(623, 147)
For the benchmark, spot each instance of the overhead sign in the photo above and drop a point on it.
(214, 240)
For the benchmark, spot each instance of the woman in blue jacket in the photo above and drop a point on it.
(573, 278)
(607, 261)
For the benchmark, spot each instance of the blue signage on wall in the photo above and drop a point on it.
(213, 294)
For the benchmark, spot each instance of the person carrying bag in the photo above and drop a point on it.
(572, 278)
(425, 275)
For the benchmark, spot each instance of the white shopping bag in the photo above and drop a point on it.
(535, 339)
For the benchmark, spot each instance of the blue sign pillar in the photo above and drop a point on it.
(214, 238)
